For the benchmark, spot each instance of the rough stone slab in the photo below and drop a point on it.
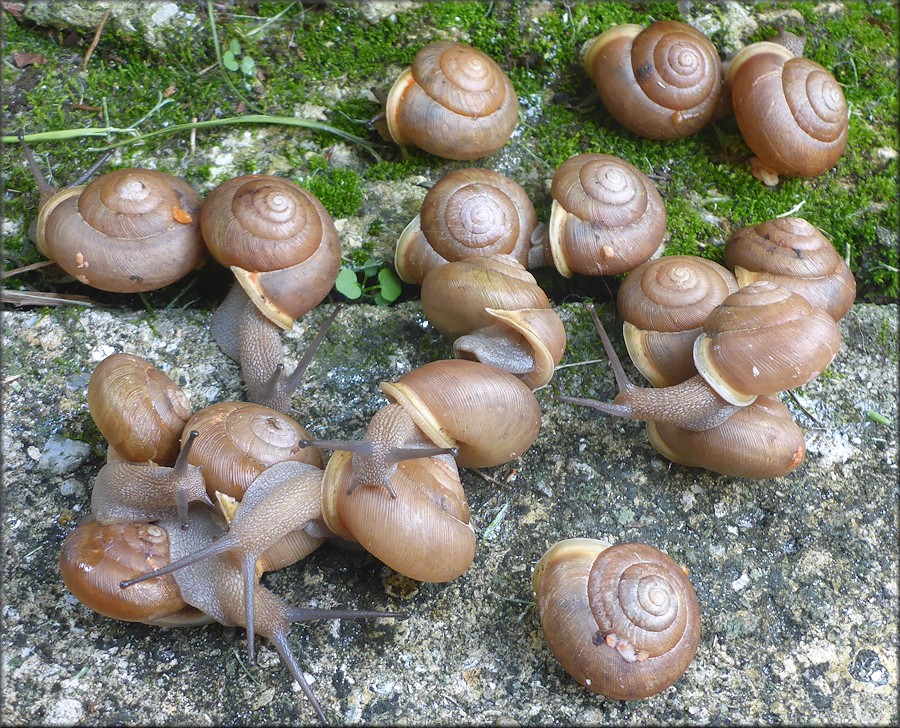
(797, 577)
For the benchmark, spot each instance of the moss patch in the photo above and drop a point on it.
(332, 57)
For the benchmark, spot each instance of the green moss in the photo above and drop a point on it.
(339, 190)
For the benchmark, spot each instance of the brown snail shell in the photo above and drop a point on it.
(454, 102)
(138, 409)
(127, 231)
(794, 254)
(758, 441)
(423, 533)
(95, 558)
(238, 440)
(622, 620)
(791, 111)
(661, 82)
(467, 212)
(495, 312)
(491, 416)
(607, 217)
(764, 339)
(664, 303)
(279, 241)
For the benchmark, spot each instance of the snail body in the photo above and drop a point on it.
(661, 82)
(138, 409)
(607, 217)
(664, 303)
(794, 254)
(790, 110)
(454, 102)
(126, 491)
(467, 212)
(494, 312)
(622, 620)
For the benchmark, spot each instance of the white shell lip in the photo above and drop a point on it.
(585, 549)
(707, 370)
(404, 80)
(410, 235)
(558, 216)
(742, 55)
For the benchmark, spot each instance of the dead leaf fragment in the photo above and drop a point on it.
(28, 59)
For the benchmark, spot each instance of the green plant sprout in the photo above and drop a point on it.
(234, 60)
(357, 281)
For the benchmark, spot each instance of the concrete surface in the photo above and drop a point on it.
(796, 577)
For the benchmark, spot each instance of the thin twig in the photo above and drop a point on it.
(26, 268)
(90, 50)
(803, 409)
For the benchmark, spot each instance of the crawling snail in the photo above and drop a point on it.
(454, 102)
(284, 250)
(661, 82)
(759, 341)
(607, 217)
(128, 231)
(384, 489)
(790, 110)
(467, 212)
(622, 620)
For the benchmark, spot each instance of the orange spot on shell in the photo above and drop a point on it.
(182, 216)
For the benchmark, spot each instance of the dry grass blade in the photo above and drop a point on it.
(25, 268)
(42, 298)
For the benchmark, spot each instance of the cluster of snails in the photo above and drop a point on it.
(200, 528)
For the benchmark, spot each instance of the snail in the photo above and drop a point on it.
(664, 303)
(95, 557)
(284, 250)
(664, 81)
(128, 231)
(494, 312)
(758, 341)
(790, 110)
(238, 440)
(607, 217)
(794, 254)
(416, 519)
(454, 102)
(138, 409)
(623, 620)
(758, 441)
(383, 490)
(467, 212)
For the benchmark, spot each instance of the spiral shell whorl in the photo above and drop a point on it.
(794, 254)
(791, 111)
(277, 238)
(129, 231)
(95, 558)
(454, 102)
(799, 341)
(138, 409)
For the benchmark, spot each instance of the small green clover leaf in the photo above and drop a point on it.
(234, 60)
(356, 281)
